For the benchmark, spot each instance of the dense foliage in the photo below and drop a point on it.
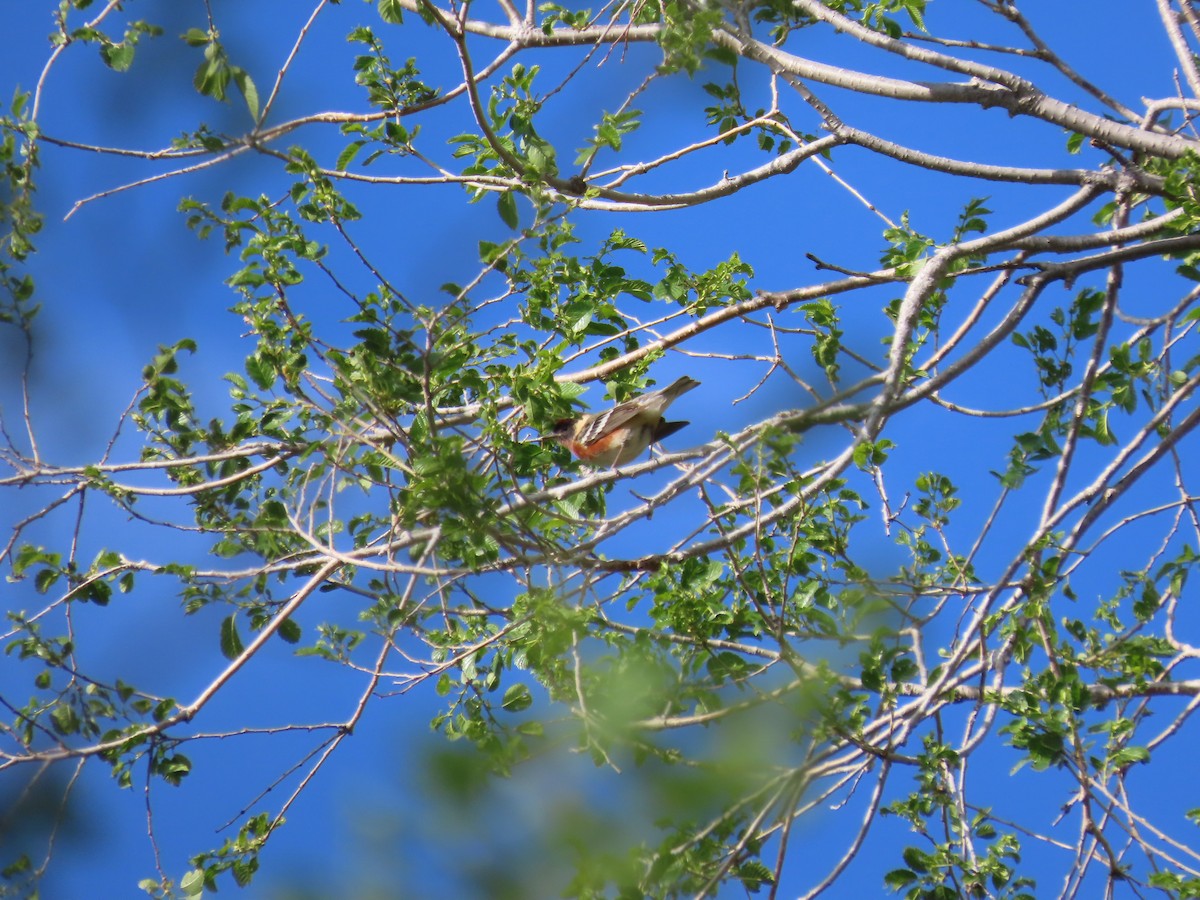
(931, 526)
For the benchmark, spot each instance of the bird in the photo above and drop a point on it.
(621, 434)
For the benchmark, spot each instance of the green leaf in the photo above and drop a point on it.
(231, 641)
(261, 371)
(517, 698)
(347, 155)
(118, 57)
(871, 455)
(1129, 755)
(246, 85)
(507, 207)
(192, 884)
(65, 719)
(194, 37)
(898, 878)
(45, 579)
(916, 859)
(173, 769)
(391, 12)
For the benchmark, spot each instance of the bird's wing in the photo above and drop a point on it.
(613, 419)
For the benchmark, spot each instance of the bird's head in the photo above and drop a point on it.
(561, 431)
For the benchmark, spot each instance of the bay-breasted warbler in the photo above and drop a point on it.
(621, 434)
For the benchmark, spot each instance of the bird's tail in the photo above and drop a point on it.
(680, 386)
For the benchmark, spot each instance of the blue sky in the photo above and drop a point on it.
(123, 275)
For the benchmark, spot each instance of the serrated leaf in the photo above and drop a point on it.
(260, 371)
(118, 57)
(246, 85)
(569, 390)
(507, 207)
(44, 580)
(391, 12)
(916, 859)
(1130, 755)
(192, 884)
(517, 698)
(289, 631)
(898, 878)
(347, 155)
(231, 641)
(195, 37)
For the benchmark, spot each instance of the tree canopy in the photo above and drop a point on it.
(904, 606)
